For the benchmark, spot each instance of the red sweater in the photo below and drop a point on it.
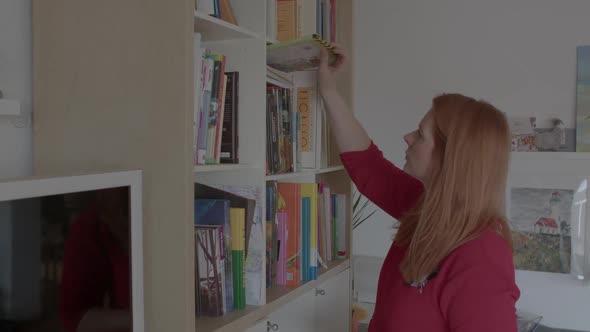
(95, 267)
(474, 290)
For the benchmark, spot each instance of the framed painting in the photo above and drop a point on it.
(549, 223)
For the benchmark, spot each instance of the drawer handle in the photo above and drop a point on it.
(271, 327)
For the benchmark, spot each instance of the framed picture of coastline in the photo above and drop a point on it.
(548, 222)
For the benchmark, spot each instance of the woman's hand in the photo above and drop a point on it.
(349, 134)
(326, 71)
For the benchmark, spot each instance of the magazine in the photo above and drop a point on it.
(299, 54)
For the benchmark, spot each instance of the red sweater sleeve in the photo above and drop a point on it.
(480, 293)
(85, 275)
(387, 186)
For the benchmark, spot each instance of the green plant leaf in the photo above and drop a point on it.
(356, 224)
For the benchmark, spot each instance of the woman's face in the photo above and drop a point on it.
(420, 148)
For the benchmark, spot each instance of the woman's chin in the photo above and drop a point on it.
(409, 170)
(406, 168)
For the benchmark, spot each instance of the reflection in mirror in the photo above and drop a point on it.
(65, 262)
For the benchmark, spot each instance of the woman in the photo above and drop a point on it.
(450, 265)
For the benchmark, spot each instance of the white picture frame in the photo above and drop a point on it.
(536, 172)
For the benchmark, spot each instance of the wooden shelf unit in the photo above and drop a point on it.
(114, 88)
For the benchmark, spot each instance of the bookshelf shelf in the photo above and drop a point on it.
(275, 298)
(222, 168)
(570, 163)
(540, 156)
(214, 29)
(277, 82)
(304, 173)
(330, 169)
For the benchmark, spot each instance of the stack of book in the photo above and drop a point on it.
(216, 117)
(292, 19)
(306, 229)
(223, 221)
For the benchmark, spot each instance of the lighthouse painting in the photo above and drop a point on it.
(540, 221)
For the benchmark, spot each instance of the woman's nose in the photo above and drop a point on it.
(407, 139)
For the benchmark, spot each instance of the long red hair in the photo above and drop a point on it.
(465, 192)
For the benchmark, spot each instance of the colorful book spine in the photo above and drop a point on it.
(305, 239)
(238, 219)
(207, 86)
(220, 108)
(290, 203)
(310, 191)
(328, 221)
(229, 136)
(282, 248)
(286, 19)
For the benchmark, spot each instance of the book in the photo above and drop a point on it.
(237, 217)
(229, 136)
(271, 233)
(255, 245)
(281, 249)
(197, 76)
(286, 19)
(211, 86)
(290, 203)
(305, 239)
(207, 192)
(209, 274)
(298, 54)
(214, 107)
(220, 120)
(309, 192)
(205, 99)
(216, 212)
(227, 12)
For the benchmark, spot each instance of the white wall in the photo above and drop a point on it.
(15, 82)
(518, 55)
(15, 133)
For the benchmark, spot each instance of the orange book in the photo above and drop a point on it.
(286, 20)
(289, 201)
(227, 12)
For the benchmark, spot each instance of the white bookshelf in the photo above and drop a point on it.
(214, 29)
(246, 52)
(276, 298)
(222, 168)
(307, 175)
(131, 84)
